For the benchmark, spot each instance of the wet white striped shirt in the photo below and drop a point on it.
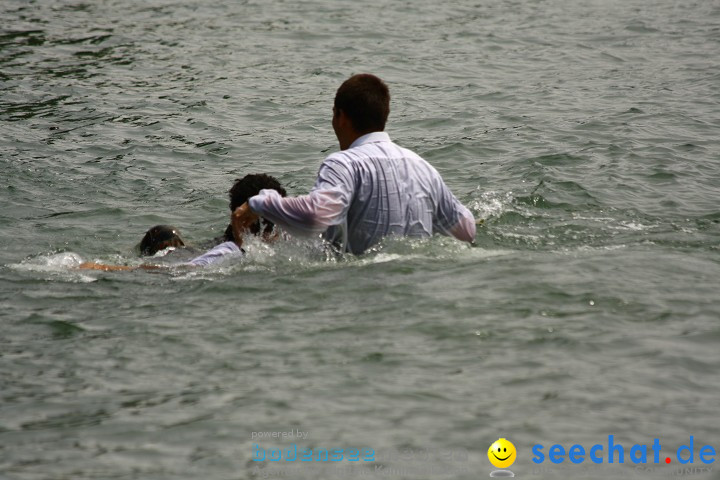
(373, 189)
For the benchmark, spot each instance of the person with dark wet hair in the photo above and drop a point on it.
(246, 187)
(159, 238)
(372, 188)
(156, 239)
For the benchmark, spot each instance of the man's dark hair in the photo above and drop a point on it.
(365, 99)
(160, 237)
(249, 186)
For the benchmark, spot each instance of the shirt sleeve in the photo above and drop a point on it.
(326, 204)
(214, 254)
(452, 218)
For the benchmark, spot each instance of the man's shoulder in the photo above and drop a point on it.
(358, 156)
(413, 156)
(338, 160)
(387, 148)
(348, 159)
(407, 153)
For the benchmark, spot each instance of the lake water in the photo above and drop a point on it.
(585, 134)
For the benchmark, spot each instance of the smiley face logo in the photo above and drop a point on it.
(502, 453)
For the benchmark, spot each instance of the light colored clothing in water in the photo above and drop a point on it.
(215, 254)
(373, 189)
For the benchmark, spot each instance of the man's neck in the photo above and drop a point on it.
(352, 138)
(348, 139)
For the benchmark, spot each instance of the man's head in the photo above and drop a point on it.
(362, 105)
(249, 186)
(159, 238)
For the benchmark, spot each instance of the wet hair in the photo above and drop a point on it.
(249, 186)
(365, 99)
(160, 237)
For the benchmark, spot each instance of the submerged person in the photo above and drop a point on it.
(372, 188)
(164, 237)
(242, 190)
(161, 237)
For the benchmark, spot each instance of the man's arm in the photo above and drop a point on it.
(466, 227)
(326, 204)
(452, 218)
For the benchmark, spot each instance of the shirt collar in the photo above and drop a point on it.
(373, 137)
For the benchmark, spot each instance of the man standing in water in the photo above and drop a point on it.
(372, 188)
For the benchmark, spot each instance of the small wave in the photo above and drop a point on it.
(291, 255)
(59, 265)
(486, 204)
(49, 262)
(306, 255)
(634, 226)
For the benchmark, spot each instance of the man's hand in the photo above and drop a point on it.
(241, 220)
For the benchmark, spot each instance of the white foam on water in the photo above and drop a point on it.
(634, 226)
(287, 255)
(486, 204)
(61, 266)
(48, 263)
(302, 255)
